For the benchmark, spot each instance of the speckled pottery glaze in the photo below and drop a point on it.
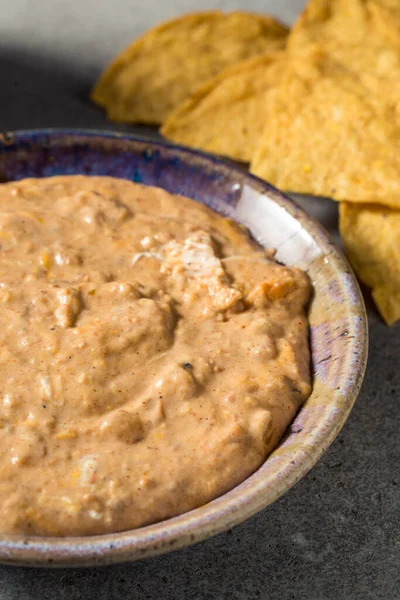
(338, 323)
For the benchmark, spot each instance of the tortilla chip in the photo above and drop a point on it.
(326, 135)
(226, 115)
(371, 237)
(363, 35)
(158, 71)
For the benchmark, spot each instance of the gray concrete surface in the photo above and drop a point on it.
(334, 536)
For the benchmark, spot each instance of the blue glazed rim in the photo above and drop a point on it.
(27, 137)
(257, 491)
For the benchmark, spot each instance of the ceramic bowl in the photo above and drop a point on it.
(338, 332)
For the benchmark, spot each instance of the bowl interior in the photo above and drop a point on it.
(338, 332)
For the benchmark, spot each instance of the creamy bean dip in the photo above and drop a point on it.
(151, 355)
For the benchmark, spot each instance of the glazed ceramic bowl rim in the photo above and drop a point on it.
(228, 510)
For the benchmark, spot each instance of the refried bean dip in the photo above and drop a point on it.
(151, 355)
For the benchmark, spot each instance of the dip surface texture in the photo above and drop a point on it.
(151, 355)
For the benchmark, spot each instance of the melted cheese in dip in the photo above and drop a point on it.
(151, 355)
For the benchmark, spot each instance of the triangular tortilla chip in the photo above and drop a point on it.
(371, 237)
(159, 70)
(226, 115)
(363, 35)
(326, 134)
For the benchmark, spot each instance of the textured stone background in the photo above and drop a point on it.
(335, 536)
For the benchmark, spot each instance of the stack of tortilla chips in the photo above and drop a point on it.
(313, 112)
